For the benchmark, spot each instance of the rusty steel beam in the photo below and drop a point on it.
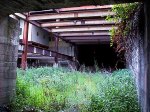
(89, 43)
(76, 23)
(39, 50)
(91, 7)
(46, 52)
(96, 40)
(88, 38)
(83, 28)
(41, 11)
(84, 34)
(25, 43)
(23, 17)
(99, 13)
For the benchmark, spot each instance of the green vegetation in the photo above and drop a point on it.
(55, 89)
(123, 15)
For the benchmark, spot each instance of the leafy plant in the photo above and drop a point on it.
(123, 13)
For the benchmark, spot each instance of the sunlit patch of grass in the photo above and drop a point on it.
(55, 89)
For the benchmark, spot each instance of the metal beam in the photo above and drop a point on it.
(88, 38)
(89, 43)
(23, 17)
(84, 34)
(91, 7)
(99, 13)
(42, 11)
(79, 29)
(25, 43)
(76, 23)
(44, 52)
(96, 40)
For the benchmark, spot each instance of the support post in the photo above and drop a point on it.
(56, 50)
(25, 42)
(145, 76)
(9, 33)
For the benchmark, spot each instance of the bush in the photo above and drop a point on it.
(56, 89)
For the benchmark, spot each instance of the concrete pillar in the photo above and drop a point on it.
(145, 67)
(147, 51)
(9, 33)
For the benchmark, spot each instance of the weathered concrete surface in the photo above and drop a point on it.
(146, 70)
(12, 6)
(140, 62)
(9, 33)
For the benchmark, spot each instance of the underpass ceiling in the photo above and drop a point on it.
(12, 6)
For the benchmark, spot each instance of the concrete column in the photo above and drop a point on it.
(145, 76)
(9, 33)
(147, 51)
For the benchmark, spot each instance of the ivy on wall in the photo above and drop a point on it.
(122, 17)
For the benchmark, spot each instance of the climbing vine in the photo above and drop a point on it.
(127, 37)
(123, 14)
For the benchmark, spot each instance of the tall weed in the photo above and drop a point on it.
(55, 89)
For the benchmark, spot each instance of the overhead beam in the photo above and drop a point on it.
(87, 43)
(76, 23)
(88, 38)
(91, 7)
(23, 17)
(99, 13)
(45, 52)
(79, 29)
(96, 40)
(42, 11)
(84, 34)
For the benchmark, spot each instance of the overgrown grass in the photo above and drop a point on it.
(56, 89)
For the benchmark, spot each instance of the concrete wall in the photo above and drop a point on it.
(145, 63)
(136, 61)
(9, 35)
(140, 60)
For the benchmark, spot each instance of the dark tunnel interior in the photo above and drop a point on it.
(100, 54)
